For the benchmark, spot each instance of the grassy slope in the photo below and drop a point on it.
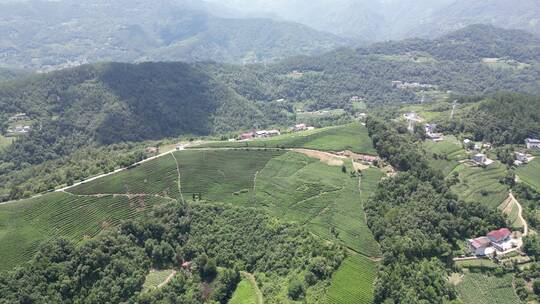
(479, 289)
(5, 141)
(449, 147)
(352, 137)
(353, 282)
(156, 177)
(474, 180)
(26, 224)
(244, 294)
(154, 278)
(530, 173)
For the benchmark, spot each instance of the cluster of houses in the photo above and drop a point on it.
(259, 134)
(430, 133)
(356, 99)
(19, 117)
(499, 241)
(411, 85)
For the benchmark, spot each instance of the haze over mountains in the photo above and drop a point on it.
(376, 20)
(144, 30)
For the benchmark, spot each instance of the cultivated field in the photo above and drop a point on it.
(25, 225)
(530, 173)
(445, 155)
(481, 184)
(156, 177)
(305, 190)
(477, 288)
(353, 282)
(244, 294)
(352, 137)
(221, 175)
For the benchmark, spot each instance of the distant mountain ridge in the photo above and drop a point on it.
(381, 20)
(143, 30)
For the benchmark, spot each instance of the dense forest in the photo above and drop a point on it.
(500, 119)
(217, 241)
(418, 222)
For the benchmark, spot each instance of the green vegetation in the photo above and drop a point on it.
(304, 190)
(217, 240)
(483, 185)
(26, 224)
(499, 119)
(418, 222)
(479, 288)
(530, 173)
(444, 155)
(245, 293)
(351, 137)
(224, 176)
(156, 177)
(5, 141)
(353, 282)
(156, 278)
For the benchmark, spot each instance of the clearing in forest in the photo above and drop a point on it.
(477, 288)
(353, 137)
(157, 278)
(483, 185)
(353, 282)
(28, 223)
(445, 155)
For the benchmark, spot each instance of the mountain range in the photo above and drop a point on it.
(377, 20)
(142, 30)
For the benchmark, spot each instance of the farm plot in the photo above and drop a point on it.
(156, 177)
(445, 155)
(221, 175)
(481, 184)
(244, 293)
(302, 189)
(353, 282)
(5, 141)
(25, 225)
(530, 173)
(353, 137)
(476, 288)
(155, 278)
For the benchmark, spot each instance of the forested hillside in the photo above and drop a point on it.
(465, 62)
(499, 119)
(142, 30)
(108, 103)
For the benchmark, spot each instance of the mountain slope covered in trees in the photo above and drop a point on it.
(143, 30)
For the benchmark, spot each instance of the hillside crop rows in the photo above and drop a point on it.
(481, 184)
(530, 173)
(26, 224)
(450, 148)
(298, 188)
(482, 289)
(156, 177)
(353, 282)
(353, 137)
(221, 175)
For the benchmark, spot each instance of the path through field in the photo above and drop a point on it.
(254, 285)
(179, 176)
(520, 215)
(168, 279)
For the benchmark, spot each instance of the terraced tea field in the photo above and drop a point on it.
(221, 175)
(302, 189)
(353, 137)
(481, 184)
(476, 288)
(530, 173)
(352, 283)
(25, 225)
(155, 278)
(156, 177)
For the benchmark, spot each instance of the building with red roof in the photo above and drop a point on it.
(481, 246)
(499, 236)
